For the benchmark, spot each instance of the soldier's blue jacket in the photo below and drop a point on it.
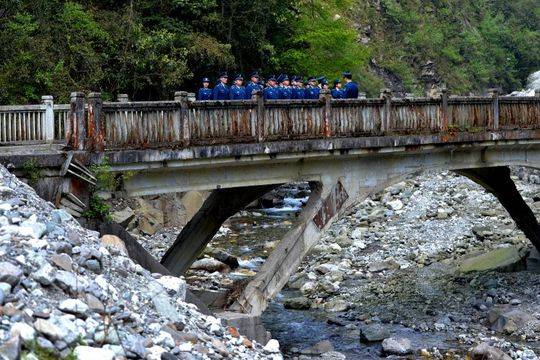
(311, 92)
(237, 93)
(338, 94)
(204, 94)
(297, 93)
(285, 92)
(351, 90)
(220, 92)
(271, 93)
(250, 87)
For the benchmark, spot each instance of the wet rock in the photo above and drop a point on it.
(374, 333)
(210, 265)
(336, 305)
(224, 257)
(319, 348)
(508, 320)
(504, 259)
(297, 303)
(92, 353)
(396, 346)
(484, 351)
(10, 273)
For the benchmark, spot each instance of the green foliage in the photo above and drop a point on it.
(32, 171)
(97, 209)
(149, 49)
(106, 180)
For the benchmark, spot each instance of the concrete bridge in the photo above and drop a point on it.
(345, 149)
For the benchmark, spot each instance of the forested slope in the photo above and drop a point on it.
(149, 48)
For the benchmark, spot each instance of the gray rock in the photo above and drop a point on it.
(11, 349)
(333, 355)
(486, 352)
(63, 261)
(135, 344)
(93, 353)
(210, 265)
(396, 346)
(45, 275)
(297, 303)
(374, 333)
(93, 265)
(74, 306)
(319, 348)
(24, 331)
(45, 344)
(66, 281)
(507, 320)
(164, 307)
(10, 273)
(60, 216)
(383, 265)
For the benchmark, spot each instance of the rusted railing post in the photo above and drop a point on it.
(48, 121)
(444, 109)
(183, 116)
(494, 94)
(257, 96)
(326, 95)
(386, 94)
(122, 98)
(76, 133)
(191, 97)
(94, 124)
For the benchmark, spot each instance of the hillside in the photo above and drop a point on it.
(149, 49)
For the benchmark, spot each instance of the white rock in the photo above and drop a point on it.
(45, 275)
(93, 353)
(308, 287)
(154, 353)
(25, 331)
(326, 268)
(73, 306)
(396, 346)
(187, 346)
(174, 284)
(164, 339)
(395, 204)
(272, 346)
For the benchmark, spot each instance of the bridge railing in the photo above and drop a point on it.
(91, 124)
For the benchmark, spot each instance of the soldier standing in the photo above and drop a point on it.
(312, 90)
(205, 93)
(238, 91)
(271, 92)
(221, 90)
(337, 93)
(253, 85)
(285, 91)
(298, 88)
(351, 87)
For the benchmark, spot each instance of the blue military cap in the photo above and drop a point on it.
(279, 78)
(284, 77)
(271, 78)
(255, 74)
(239, 77)
(311, 78)
(347, 75)
(205, 79)
(322, 79)
(336, 82)
(223, 74)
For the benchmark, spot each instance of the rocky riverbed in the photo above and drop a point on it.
(67, 293)
(432, 267)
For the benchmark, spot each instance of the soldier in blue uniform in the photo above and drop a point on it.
(238, 91)
(221, 90)
(272, 91)
(351, 88)
(312, 90)
(324, 84)
(254, 84)
(298, 88)
(337, 93)
(285, 91)
(205, 93)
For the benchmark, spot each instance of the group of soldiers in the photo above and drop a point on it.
(277, 88)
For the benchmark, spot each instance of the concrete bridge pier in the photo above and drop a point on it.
(199, 231)
(497, 181)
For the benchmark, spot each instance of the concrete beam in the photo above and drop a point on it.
(497, 181)
(199, 231)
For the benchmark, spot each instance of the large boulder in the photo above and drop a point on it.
(484, 351)
(507, 319)
(396, 346)
(502, 259)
